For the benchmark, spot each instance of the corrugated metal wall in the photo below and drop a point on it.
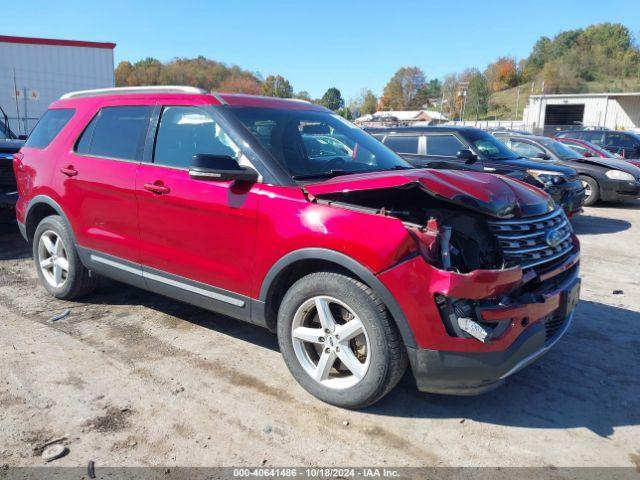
(50, 71)
(611, 112)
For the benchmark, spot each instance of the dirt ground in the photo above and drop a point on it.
(134, 379)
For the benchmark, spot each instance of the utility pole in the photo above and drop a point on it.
(15, 93)
(517, 101)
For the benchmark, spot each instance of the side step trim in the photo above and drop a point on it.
(168, 281)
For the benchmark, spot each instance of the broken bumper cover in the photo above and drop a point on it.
(460, 373)
(534, 322)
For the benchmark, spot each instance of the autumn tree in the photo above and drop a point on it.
(198, 72)
(332, 99)
(401, 92)
(277, 86)
(240, 85)
(502, 74)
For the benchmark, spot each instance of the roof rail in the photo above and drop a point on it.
(129, 90)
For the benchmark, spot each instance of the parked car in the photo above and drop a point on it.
(588, 149)
(10, 143)
(469, 148)
(358, 261)
(625, 144)
(608, 179)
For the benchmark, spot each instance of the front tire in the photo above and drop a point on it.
(59, 267)
(592, 190)
(339, 341)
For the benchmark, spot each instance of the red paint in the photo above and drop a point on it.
(230, 237)
(56, 42)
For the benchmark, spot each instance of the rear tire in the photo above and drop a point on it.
(592, 190)
(356, 360)
(57, 262)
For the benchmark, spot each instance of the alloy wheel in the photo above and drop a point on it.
(330, 342)
(587, 189)
(52, 255)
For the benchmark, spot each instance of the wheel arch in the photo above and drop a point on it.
(39, 208)
(299, 263)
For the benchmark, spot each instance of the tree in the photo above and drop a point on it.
(240, 85)
(345, 113)
(502, 74)
(368, 102)
(560, 78)
(401, 92)
(332, 99)
(277, 86)
(124, 75)
(303, 95)
(477, 102)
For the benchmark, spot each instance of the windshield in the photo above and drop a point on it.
(601, 151)
(489, 146)
(560, 149)
(317, 144)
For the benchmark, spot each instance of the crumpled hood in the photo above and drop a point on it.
(494, 195)
(613, 163)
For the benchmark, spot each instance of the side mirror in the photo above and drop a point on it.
(22, 137)
(220, 168)
(542, 156)
(467, 155)
(587, 154)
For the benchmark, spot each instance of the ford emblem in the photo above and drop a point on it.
(554, 237)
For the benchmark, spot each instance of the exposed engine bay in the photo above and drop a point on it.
(451, 237)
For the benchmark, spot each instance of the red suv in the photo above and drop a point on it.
(280, 213)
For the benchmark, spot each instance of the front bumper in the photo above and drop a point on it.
(534, 312)
(569, 195)
(617, 190)
(459, 373)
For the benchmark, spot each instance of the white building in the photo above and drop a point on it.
(36, 71)
(402, 117)
(549, 113)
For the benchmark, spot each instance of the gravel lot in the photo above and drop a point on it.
(131, 378)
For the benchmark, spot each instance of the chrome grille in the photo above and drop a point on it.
(534, 241)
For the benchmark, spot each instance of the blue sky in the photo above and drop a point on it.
(346, 44)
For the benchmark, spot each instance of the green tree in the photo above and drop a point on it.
(345, 113)
(477, 103)
(303, 95)
(368, 103)
(277, 86)
(332, 99)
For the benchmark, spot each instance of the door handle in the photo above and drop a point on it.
(157, 187)
(69, 171)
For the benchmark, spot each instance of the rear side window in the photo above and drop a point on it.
(48, 127)
(116, 132)
(402, 144)
(444, 145)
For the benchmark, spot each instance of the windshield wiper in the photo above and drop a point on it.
(329, 174)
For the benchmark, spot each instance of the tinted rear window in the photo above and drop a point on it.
(116, 132)
(48, 127)
(402, 144)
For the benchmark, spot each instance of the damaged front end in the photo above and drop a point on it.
(490, 286)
